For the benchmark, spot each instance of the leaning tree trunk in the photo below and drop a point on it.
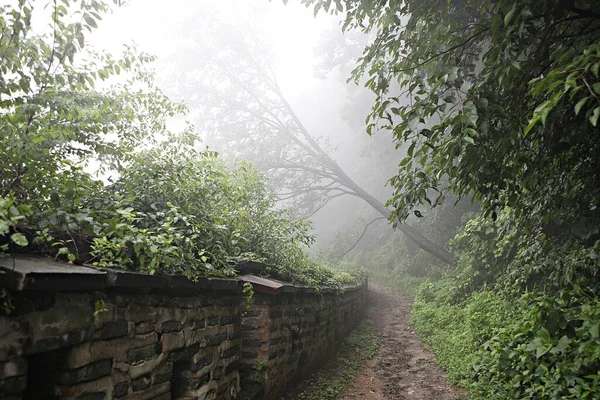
(409, 231)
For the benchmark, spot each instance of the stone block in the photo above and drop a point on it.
(140, 354)
(212, 320)
(86, 373)
(152, 392)
(143, 327)
(216, 339)
(171, 341)
(71, 312)
(230, 352)
(234, 334)
(232, 368)
(197, 323)
(121, 389)
(92, 396)
(217, 373)
(171, 326)
(139, 313)
(185, 353)
(249, 354)
(119, 348)
(12, 368)
(202, 362)
(13, 386)
(146, 367)
(62, 340)
(113, 330)
(141, 383)
(190, 302)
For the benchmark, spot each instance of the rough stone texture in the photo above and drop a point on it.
(157, 340)
(130, 351)
(285, 336)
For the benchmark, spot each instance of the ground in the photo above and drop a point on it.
(403, 369)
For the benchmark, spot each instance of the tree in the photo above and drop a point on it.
(59, 113)
(170, 206)
(237, 99)
(505, 102)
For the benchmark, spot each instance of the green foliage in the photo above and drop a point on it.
(54, 120)
(359, 347)
(12, 214)
(171, 207)
(499, 100)
(99, 307)
(517, 318)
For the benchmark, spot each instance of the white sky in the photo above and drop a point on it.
(292, 29)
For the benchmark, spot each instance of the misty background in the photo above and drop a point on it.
(311, 60)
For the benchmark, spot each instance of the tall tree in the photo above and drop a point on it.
(237, 99)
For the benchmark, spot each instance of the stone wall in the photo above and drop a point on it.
(287, 335)
(71, 332)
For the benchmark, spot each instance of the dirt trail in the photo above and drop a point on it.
(403, 370)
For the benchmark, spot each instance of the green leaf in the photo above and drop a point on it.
(580, 104)
(509, 15)
(562, 345)
(595, 67)
(19, 239)
(468, 139)
(90, 21)
(594, 116)
(531, 124)
(594, 330)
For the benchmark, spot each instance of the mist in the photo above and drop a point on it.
(312, 61)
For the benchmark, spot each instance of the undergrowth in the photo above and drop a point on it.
(332, 380)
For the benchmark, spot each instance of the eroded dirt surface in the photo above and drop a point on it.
(403, 370)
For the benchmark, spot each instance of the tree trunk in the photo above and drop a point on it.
(409, 231)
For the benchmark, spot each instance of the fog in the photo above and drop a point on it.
(311, 60)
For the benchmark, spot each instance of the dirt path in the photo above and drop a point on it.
(403, 370)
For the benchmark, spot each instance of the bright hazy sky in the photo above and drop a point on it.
(293, 30)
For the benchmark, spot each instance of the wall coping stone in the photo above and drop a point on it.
(30, 273)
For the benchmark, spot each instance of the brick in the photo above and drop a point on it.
(113, 330)
(86, 373)
(142, 383)
(198, 324)
(15, 385)
(144, 327)
(121, 389)
(171, 326)
(12, 368)
(216, 339)
(231, 352)
(143, 353)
